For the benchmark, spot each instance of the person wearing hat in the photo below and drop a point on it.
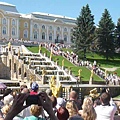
(34, 88)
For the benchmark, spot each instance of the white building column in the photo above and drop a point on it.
(8, 28)
(54, 33)
(17, 29)
(68, 39)
(31, 30)
(39, 33)
(47, 33)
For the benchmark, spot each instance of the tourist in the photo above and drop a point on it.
(49, 92)
(36, 111)
(74, 97)
(61, 102)
(34, 88)
(18, 106)
(88, 111)
(106, 110)
(62, 113)
(73, 110)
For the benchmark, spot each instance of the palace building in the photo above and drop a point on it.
(36, 26)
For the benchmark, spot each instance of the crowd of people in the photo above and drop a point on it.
(73, 58)
(34, 104)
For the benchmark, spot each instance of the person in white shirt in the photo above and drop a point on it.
(107, 109)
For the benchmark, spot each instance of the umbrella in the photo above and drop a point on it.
(2, 86)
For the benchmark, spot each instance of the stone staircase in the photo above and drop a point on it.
(43, 65)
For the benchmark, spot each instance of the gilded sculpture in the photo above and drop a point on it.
(54, 87)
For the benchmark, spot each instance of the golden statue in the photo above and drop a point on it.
(51, 55)
(32, 78)
(79, 72)
(92, 73)
(29, 61)
(54, 87)
(18, 52)
(105, 74)
(9, 46)
(94, 93)
(39, 48)
(43, 72)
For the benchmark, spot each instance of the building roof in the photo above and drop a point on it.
(52, 17)
(8, 7)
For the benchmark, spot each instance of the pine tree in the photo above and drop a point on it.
(84, 31)
(117, 34)
(105, 35)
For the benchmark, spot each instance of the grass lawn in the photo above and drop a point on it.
(102, 61)
(85, 74)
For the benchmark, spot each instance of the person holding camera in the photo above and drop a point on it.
(18, 105)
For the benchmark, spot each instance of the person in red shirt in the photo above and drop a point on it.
(34, 89)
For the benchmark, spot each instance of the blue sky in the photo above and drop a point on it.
(69, 8)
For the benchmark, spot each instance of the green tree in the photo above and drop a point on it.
(83, 34)
(117, 34)
(105, 35)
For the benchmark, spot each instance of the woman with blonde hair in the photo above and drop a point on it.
(73, 110)
(88, 111)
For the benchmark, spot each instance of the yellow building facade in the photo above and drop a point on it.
(36, 26)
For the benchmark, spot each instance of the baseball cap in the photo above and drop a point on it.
(34, 86)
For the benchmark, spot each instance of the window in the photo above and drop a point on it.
(50, 36)
(58, 28)
(4, 21)
(43, 27)
(71, 30)
(26, 25)
(57, 36)
(71, 38)
(35, 26)
(25, 35)
(13, 22)
(43, 36)
(50, 27)
(13, 31)
(4, 31)
(65, 29)
(65, 37)
(35, 34)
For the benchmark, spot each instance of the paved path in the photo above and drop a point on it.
(111, 69)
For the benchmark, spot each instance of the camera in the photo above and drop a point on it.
(33, 99)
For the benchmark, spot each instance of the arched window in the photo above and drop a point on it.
(65, 37)
(4, 31)
(13, 31)
(25, 34)
(4, 21)
(50, 36)
(13, 22)
(43, 36)
(35, 26)
(58, 28)
(65, 29)
(43, 27)
(35, 34)
(26, 25)
(50, 27)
